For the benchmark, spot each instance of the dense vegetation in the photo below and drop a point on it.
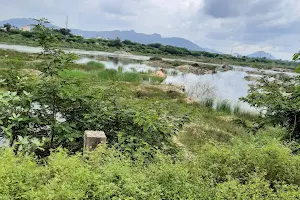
(159, 146)
(69, 40)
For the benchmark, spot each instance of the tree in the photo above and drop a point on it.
(277, 97)
(117, 42)
(7, 26)
(65, 32)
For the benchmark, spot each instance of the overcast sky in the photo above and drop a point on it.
(243, 26)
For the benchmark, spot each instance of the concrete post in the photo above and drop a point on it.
(92, 139)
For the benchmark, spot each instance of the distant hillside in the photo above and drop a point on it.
(261, 54)
(140, 38)
(123, 35)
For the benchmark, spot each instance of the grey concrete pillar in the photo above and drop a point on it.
(92, 139)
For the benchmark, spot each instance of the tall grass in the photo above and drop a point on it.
(95, 65)
(239, 112)
(90, 66)
(224, 106)
(114, 75)
(130, 77)
(207, 103)
(108, 74)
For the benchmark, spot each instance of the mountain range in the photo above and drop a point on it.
(135, 37)
(123, 35)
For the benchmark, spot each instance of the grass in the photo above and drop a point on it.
(207, 103)
(239, 112)
(74, 74)
(224, 106)
(95, 65)
(130, 77)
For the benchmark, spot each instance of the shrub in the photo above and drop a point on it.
(95, 65)
(155, 58)
(246, 169)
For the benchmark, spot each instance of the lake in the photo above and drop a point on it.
(229, 85)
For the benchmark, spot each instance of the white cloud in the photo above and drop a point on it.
(270, 25)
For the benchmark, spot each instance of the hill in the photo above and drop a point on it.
(261, 54)
(140, 38)
(123, 35)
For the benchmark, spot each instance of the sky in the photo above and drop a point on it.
(242, 26)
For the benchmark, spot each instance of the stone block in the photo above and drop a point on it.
(92, 139)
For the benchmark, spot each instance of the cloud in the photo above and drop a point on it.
(236, 8)
(271, 25)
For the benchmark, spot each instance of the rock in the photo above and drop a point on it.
(92, 139)
(281, 69)
(225, 67)
(184, 68)
(250, 78)
(258, 72)
(160, 74)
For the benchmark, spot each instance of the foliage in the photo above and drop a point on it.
(224, 106)
(56, 108)
(7, 26)
(277, 97)
(116, 43)
(156, 58)
(253, 167)
(96, 65)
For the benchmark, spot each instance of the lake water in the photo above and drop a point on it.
(229, 85)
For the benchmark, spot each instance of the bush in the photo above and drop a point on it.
(250, 168)
(155, 58)
(95, 65)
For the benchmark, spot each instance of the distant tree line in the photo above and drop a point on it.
(74, 41)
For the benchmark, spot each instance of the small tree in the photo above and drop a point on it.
(117, 42)
(278, 98)
(7, 26)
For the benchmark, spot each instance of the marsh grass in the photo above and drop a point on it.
(239, 112)
(207, 103)
(95, 65)
(130, 77)
(224, 106)
(108, 74)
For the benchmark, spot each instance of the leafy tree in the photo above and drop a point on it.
(7, 26)
(155, 45)
(128, 42)
(116, 43)
(278, 99)
(65, 32)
